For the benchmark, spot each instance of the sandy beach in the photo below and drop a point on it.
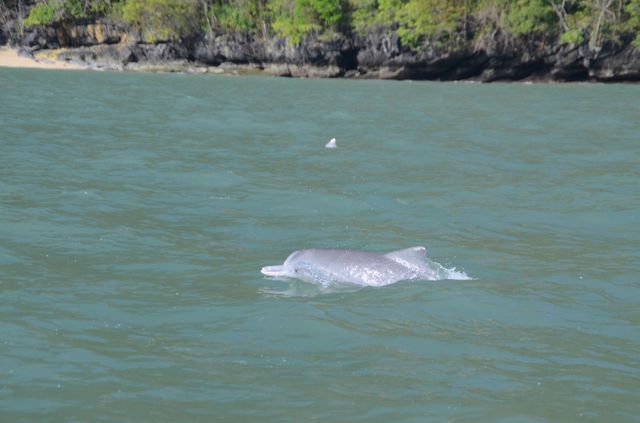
(9, 58)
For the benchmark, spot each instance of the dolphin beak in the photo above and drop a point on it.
(273, 271)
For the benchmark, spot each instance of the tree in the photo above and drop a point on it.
(163, 19)
(296, 18)
(632, 25)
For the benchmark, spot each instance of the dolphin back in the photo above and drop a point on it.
(413, 257)
(326, 266)
(359, 267)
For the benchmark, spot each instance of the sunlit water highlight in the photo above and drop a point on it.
(137, 210)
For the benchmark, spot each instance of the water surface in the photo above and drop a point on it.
(137, 210)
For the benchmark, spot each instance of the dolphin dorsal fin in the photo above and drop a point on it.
(410, 257)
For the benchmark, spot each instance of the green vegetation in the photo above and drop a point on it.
(573, 37)
(245, 16)
(632, 24)
(296, 18)
(446, 22)
(49, 12)
(161, 19)
(41, 14)
(531, 17)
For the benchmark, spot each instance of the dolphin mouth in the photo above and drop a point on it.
(273, 271)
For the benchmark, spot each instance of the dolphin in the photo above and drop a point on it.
(325, 266)
(331, 144)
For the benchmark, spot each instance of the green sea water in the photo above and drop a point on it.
(136, 211)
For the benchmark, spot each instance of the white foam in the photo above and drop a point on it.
(444, 273)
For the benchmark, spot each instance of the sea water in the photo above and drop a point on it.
(136, 211)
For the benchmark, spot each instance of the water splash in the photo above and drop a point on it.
(447, 273)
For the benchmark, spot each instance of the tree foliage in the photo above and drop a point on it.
(46, 13)
(428, 19)
(632, 23)
(247, 16)
(416, 21)
(162, 19)
(296, 18)
(530, 17)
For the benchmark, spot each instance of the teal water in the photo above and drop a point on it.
(137, 210)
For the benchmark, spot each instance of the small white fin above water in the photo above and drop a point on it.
(414, 257)
(331, 144)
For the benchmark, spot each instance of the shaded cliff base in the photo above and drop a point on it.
(378, 55)
(77, 59)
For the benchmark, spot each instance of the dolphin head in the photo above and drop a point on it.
(274, 271)
(288, 268)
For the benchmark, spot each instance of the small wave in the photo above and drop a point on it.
(297, 288)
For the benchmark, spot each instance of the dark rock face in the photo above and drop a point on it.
(379, 49)
(622, 65)
(239, 48)
(379, 54)
(41, 38)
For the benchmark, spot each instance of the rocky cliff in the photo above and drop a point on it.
(379, 54)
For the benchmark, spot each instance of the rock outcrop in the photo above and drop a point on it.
(379, 54)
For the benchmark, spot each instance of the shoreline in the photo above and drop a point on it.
(103, 45)
(108, 58)
(9, 58)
